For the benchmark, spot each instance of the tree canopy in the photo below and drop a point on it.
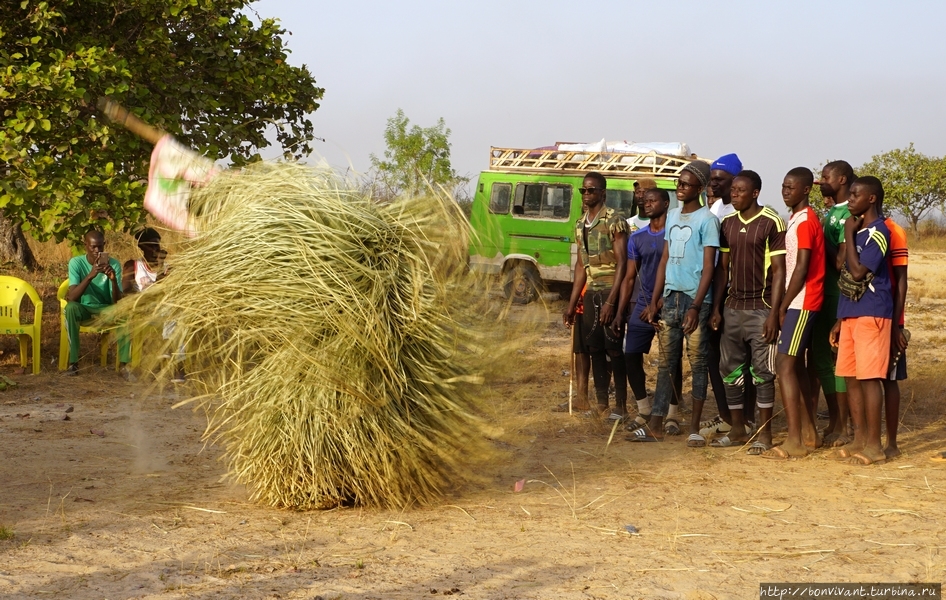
(415, 158)
(202, 70)
(914, 184)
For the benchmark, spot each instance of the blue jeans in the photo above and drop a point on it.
(671, 339)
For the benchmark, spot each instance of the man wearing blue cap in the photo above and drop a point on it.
(722, 172)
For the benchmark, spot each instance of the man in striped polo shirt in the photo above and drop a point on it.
(863, 331)
(804, 294)
(752, 263)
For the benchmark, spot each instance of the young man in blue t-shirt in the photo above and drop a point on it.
(644, 250)
(862, 334)
(677, 303)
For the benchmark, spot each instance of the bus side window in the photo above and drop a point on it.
(622, 201)
(500, 194)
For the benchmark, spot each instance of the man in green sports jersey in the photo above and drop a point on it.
(836, 179)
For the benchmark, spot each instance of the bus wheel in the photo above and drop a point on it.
(521, 283)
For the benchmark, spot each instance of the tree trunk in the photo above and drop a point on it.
(13, 246)
(915, 221)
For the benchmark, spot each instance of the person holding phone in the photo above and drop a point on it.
(94, 285)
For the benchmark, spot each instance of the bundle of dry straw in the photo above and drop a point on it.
(335, 343)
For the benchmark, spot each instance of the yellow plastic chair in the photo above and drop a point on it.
(64, 336)
(12, 291)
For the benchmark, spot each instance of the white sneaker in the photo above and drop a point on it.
(722, 427)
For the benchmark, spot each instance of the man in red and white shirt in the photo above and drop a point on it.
(804, 294)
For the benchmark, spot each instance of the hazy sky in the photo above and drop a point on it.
(782, 84)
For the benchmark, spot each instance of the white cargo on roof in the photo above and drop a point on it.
(681, 149)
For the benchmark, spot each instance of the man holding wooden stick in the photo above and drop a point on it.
(601, 235)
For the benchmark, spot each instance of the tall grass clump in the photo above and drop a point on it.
(335, 343)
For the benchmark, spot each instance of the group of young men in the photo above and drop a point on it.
(814, 302)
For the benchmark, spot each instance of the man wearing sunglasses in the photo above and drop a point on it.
(601, 235)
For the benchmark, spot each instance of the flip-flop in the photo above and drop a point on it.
(723, 442)
(696, 441)
(638, 422)
(939, 457)
(641, 435)
(617, 417)
(777, 453)
(672, 427)
(841, 440)
(757, 448)
(841, 454)
(862, 460)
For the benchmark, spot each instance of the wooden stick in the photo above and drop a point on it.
(118, 114)
(571, 373)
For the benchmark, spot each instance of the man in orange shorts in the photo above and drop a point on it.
(865, 315)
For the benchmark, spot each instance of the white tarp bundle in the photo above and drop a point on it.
(680, 149)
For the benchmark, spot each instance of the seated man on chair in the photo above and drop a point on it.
(94, 285)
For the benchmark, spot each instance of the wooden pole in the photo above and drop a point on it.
(118, 114)
(571, 372)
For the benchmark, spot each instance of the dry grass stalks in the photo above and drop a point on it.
(336, 344)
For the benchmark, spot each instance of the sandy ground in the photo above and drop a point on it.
(123, 500)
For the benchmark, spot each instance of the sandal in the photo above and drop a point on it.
(617, 417)
(672, 427)
(638, 422)
(642, 435)
(777, 453)
(758, 448)
(696, 441)
(723, 442)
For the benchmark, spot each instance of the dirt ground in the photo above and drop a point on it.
(123, 500)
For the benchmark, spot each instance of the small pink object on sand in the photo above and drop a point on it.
(520, 485)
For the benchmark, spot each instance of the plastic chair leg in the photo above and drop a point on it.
(63, 346)
(36, 351)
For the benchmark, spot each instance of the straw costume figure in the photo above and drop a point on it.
(335, 343)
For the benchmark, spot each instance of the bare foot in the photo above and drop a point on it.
(892, 452)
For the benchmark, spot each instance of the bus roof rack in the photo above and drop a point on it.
(623, 165)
